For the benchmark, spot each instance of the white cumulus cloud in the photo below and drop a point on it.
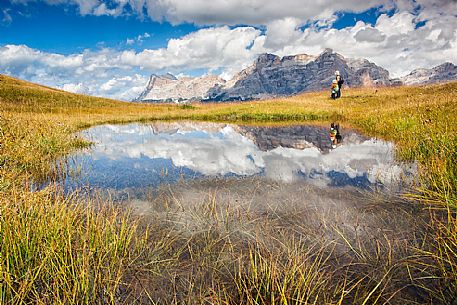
(96, 73)
(416, 34)
(210, 48)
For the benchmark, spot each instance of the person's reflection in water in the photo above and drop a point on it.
(335, 135)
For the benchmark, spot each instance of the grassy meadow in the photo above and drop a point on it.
(58, 249)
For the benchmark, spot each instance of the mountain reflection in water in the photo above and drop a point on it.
(147, 155)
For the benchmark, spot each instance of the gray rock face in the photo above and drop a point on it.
(168, 88)
(441, 73)
(271, 75)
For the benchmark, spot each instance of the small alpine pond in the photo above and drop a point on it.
(140, 156)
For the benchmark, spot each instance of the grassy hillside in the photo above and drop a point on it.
(38, 122)
(64, 250)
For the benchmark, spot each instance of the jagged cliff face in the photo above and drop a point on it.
(271, 75)
(168, 88)
(444, 72)
(268, 76)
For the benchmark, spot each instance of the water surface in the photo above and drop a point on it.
(141, 156)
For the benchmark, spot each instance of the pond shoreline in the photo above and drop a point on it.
(143, 155)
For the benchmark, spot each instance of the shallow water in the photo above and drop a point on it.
(145, 156)
(280, 188)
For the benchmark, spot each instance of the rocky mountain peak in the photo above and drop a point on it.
(298, 59)
(266, 59)
(168, 76)
(327, 51)
(443, 72)
(168, 88)
(271, 75)
(446, 64)
(274, 76)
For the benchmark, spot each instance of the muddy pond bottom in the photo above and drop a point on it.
(146, 156)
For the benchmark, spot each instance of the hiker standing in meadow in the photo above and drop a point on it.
(335, 89)
(340, 82)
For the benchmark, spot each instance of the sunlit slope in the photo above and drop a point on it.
(360, 107)
(14, 93)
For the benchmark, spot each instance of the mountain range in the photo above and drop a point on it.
(272, 76)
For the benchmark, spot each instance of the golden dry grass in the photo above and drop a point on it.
(58, 249)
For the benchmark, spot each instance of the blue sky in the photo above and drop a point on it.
(61, 29)
(110, 47)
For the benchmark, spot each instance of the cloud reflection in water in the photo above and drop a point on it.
(139, 155)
